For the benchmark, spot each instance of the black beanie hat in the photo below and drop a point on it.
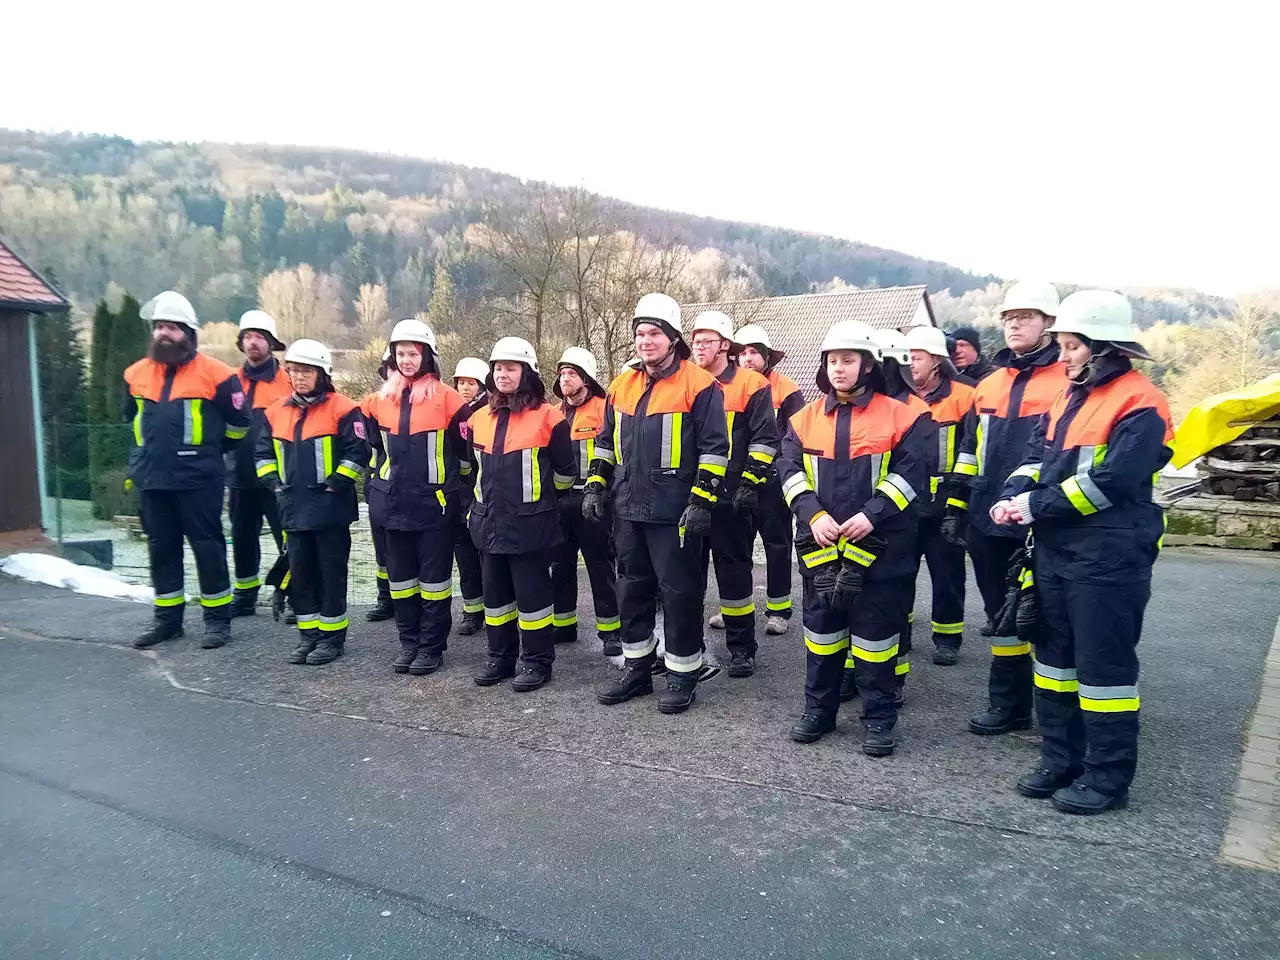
(968, 334)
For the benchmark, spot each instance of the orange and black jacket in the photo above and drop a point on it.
(870, 455)
(315, 451)
(787, 399)
(374, 485)
(584, 426)
(665, 439)
(420, 455)
(1088, 474)
(185, 418)
(752, 426)
(1007, 405)
(949, 404)
(524, 459)
(262, 386)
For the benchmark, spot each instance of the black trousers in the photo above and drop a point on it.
(773, 521)
(1086, 678)
(1009, 684)
(870, 629)
(318, 583)
(652, 563)
(420, 568)
(248, 507)
(518, 607)
(729, 549)
(167, 517)
(591, 539)
(946, 575)
(379, 535)
(470, 576)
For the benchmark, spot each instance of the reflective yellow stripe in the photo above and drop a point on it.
(774, 605)
(702, 493)
(326, 449)
(1058, 686)
(739, 611)
(1119, 705)
(819, 556)
(953, 502)
(617, 436)
(347, 472)
(384, 472)
(236, 433)
(1071, 487)
(1012, 650)
(676, 426)
(607, 626)
(947, 628)
(440, 497)
(874, 651)
(436, 591)
(728, 419)
(279, 458)
(564, 620)
(332, 624)
(810, 472)
(265, 467)
(825, 644)
(851, 551)
(893, 493)
(902, 668)
(137, 420)
(193, 422)
(170, 599)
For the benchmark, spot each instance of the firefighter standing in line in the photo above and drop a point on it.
(949, 400)
(187, 410)
(263, 382)
(851, 465)
(772, 520)
(583, 409)
(525, 459)
(311, 458)
(1007, 404)
(469, 378)
(414, 423)
(967, 354)
(753, 445)
(665, 447)
(375, 489)
(1085, 487)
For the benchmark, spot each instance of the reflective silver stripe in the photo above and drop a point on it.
(1109, 693)
(318, 445)
(1054, 673)
(762, 448)
(945, 436)
(794, 484)
(606, 454)
(536, 615)
(634, 651)
(904, 488)
(825, 639)
(499, 611)
(877, 465)
(527, 466)
(384, 471)
(350, 465)
(403, 584)
(666, 440)
(261, 464)
(338, 619)
(188, 423)
(711, 460)
(561, 480)
(874, 646)
(437, 587)
(584, 459)
(683, 664)
(984, 436)
(433, 454)
(1084, 463)
(967, 458)
(216, 596)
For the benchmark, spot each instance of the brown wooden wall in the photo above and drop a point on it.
(19, 471)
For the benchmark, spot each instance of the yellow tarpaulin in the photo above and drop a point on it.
(1223, 417)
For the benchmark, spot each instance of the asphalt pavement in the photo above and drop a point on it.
(226, 804)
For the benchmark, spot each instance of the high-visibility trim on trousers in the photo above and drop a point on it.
(536, 619)
(473, 605)
(683, 664)
(634, 651)
(251, 583)
(947, 628)
(1057, 679)
(609, 625)
(737, 608)
(442, 590)
(1015, 649)
(215, 599)
(175, 599)
(775, 604)
(825, 644)
(1119, 699)
(497, 616)
(874, 651)
(332, 624)
(403, 589)
(564, 620)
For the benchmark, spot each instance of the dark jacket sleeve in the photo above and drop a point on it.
(604, 449)
(458, 438)
(352, 453)
(1028, 473)
(231, 402)
(796, 489)
(791, 404)
(264, 456)
(966, 459)
(763, 436)
(909, 466)
(712, 430)
(564, 465)
(128, 407)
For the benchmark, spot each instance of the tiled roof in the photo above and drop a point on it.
(797, 324)
(22, 288)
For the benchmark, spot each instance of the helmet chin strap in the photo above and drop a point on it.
(1089, 372)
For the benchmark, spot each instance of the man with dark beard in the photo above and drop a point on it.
(187, 409)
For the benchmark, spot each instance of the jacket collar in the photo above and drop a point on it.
(861, 400)
(940, 392)
(1042, 357)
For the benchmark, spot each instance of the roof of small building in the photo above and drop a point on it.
(21, 288)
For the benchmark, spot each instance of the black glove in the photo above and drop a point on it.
(696, 520)
(1028, 615)
(272, 482)
(1005, 623)
(1018, 561)
(955, 526)
(593, 502)
(744, 499)
(849, 580)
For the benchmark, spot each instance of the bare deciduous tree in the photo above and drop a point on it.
(304, 303)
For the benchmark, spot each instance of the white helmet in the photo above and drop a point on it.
(893, 345)
(665, 312)
(1101, 315)
(517, 349)
(753, 335)
(1031, 295)
(311, 352)
(851, 335)
(715, 321)
(929, 339)
(413, 331)
(262, 322)
(172, 307)
(472, 367)
(585, 362)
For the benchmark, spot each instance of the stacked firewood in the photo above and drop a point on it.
(1248, 468)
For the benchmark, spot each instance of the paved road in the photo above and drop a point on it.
(224, 804)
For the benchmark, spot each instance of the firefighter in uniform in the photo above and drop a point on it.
(1085, 487)
(851, 465)
(469, 378)
(949, 400)
(753, 445)
(414, 425)
(263, 382)
(664, 445)
(772, 519)
(583, 397)
(1007, 404)
(525, 460)
(187, 409)
(311, 458)
(375, 492)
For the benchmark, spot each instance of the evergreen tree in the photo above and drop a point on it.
(103, 401)
(442, 311)
(63, 403)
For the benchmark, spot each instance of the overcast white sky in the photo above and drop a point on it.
(1103, 143)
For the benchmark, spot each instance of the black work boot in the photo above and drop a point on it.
(405, 657)
(160, 631)
(426, 661)
(1083, 800)
(945, 656)
(812, 727)
(326, 651)
(1042, 783)
(742, 665)
(612, 646)
(216, 633)
(245, 603)
(495, 671)
(531, 677)
(382, 610)
(877, 741)
(470, 623)
(848, 685)
(994, 721)
(302, 650)
(682, 690)
(634, 681)
(988, 629)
